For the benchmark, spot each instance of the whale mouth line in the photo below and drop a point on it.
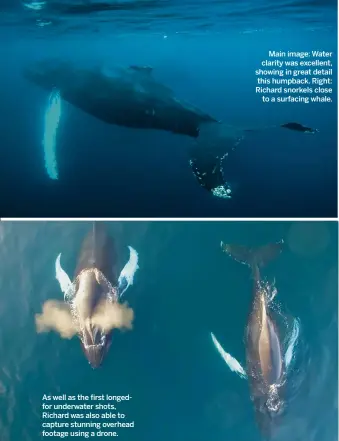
(94, 345)
(95, 353)
(98, 345)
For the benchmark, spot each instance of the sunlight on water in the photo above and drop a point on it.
(52, 118)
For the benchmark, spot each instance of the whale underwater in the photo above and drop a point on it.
(92, 306)
(266, 365)
(131, 97)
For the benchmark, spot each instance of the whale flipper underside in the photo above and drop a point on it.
(125, 280)
(127, 274)
(231, 362)
(66, 286)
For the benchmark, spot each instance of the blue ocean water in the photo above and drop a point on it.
(207, 53)
(185, 288)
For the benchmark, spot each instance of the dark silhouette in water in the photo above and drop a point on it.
(131, 97)
(299, 128)
(264, 360)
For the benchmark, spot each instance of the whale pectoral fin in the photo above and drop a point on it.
(292, 343)
(231, 362)
(128, 272)
(65, 283)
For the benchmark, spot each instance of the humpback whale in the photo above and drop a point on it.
(131, 97)
(265, 363)
(93, 298)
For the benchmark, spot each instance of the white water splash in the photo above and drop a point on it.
(127, 274)
(231, 362)
(271, 292)
(52, 118)
(292, 343)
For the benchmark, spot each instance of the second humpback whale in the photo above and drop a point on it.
(93, 298)
(131, 97)
(265, 362)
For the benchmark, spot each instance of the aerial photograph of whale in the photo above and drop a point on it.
(190, 306)
(131, 97)
(92, 306)
(266, 363)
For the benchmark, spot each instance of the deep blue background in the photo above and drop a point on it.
(208, 55)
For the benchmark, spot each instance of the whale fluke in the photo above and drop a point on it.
(207, 167)
(253, 257)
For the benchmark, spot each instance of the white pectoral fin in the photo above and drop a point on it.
(231, 362)
(127, 274)
(292, 343)
(63, 279)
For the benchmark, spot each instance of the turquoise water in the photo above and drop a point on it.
(185, 288)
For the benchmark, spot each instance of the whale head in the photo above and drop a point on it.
(269, 411)
(89, 305)
(95, 344)
(46, 74)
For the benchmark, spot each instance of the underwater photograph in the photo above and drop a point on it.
(186, 331)
(168, 108)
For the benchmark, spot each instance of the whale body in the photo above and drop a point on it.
(131, 97)
(97, 253)
(265, 365)
(95, 292)
(128, 97)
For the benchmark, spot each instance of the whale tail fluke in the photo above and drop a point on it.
(209, 153)
(253, 257)
(215, 141)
